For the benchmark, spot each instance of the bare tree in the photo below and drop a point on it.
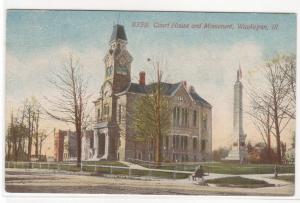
(260, 114)
(272, 104)
(42, 137)
(288, 68)
(16, 135)
(70, 104)
(31, 113)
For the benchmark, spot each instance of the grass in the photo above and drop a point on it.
(289, 178)
(239, 182)
(230, 168)
(98, 170)
(107, 163)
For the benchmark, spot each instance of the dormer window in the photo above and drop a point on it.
(180, 98)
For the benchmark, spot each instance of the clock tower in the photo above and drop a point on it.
(117, 78)
(118, 61)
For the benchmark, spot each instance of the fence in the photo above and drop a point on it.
(99, 169)
(220, 167)
(165, 171)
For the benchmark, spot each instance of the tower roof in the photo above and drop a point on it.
(118, 33)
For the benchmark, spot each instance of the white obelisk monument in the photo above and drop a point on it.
(238, 152)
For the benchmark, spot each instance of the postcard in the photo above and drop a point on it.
(150, 102)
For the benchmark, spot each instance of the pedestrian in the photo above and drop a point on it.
(276, 171)
(199, 173)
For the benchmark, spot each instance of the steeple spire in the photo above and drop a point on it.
(118, 33)
(239, 73)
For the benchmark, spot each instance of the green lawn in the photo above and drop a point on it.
(289, 178)
(239, 182)
(88, 167)
(108, 163)
(231, 168)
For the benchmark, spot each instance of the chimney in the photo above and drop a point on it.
(191, 89)
(184, 84)
(142, 78)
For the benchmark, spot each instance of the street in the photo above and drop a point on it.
(35, 181)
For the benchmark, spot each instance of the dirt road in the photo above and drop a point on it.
(17, 180)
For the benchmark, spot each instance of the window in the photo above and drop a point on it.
(150, 157)
(187, 118)
(140, 155)
(167, 142)
(151, 144)
(182, 116)
(174, 116)
(174, 158)
(185, 142)
(203, 145)
(106, 110)
(204, 121)
(180, 98)
(92, 142)
(195, 144)
(177, 116)
(98, 114)
(108, 71)
(120, 113)
(181, 142)
(195, 118)
(175, 141)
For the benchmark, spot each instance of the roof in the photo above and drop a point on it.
(118, 33)
(167, 88)
(199, 99)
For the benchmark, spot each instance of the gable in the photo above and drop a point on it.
(181, 95)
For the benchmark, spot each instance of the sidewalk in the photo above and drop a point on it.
(133, 166)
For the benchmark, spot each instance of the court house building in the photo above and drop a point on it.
(190, 136)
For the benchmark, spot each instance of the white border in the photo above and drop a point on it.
(286, 6)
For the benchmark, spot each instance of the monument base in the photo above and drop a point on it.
(236, 156)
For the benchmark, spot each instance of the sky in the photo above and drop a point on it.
(38, 41)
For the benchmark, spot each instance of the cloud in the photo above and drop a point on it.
(28, 75)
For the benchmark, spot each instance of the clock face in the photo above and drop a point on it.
(122, 70)
(123, 60)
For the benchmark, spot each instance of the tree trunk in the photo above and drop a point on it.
(158, 120)
(29, 136)
(37, 134)
(278, 142)
(78, 134)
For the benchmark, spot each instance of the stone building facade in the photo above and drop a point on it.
(190, 137)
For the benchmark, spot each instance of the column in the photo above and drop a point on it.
(96, 142)
(106, 146)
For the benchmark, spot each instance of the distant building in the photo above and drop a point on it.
(190, 138)
(65, 146)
